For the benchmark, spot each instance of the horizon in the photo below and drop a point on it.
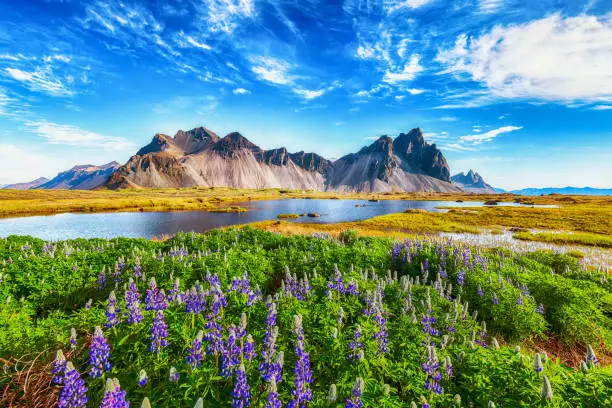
(520, 93)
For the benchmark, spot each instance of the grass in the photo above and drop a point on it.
(229, 209)
(285, 216)
(565, 238)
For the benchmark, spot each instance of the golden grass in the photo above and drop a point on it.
(577, 238)
(286, 216)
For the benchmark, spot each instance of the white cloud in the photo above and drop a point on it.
(457, 147)
(241, 91)
(415, 91)
(272, 70)
(40, 80)
(551, 59)
(602, 107)
(397, 5)
(74, 136)
(479, 138)
(448, 119)
(410, 71)
(197, 44)
(57, 57)
(489, 6)
(225, 15)
(309, 94)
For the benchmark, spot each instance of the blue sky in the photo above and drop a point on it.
(520, 91)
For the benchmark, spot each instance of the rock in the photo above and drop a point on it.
(314, 215)
(490, 202)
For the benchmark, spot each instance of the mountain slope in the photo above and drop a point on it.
(27, 185)
(407, 163)
(200, 158)
(85, 177)
(472, 182)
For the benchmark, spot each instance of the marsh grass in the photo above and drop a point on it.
(579, 238)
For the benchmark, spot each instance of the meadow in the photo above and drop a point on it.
(245, 317)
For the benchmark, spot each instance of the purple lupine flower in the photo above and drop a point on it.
(591, 357)
(99, 354)
(214, 337)
(249, 348)
(273, 401)
(102, 280)
(59, 367)
(194, 300)
(355, 400)
(267, 353)
(430, 367)
(132, 303)
(241, 395)
(356, 345)
(448, 366)
(230, 354)
(381, 333)
(112, 316)
(114, 396)
(155, 298)
(537, 364)
(74, 393)
(137, 271)
(461, 277)
(301, 393)
(195, 356)
(142, 378)
(480, 292)
(174, 375)
(271, 316)
(540, 309)
(520, 301)
(159, 333)
(494, 299)
(174, 294)
(73, 338)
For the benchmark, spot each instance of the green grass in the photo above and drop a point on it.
(285, 216)
(577, 238)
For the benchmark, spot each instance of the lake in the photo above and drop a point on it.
(151, 224)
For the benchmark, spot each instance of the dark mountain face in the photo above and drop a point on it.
(421, 156)
(472, 181)
(82, 177)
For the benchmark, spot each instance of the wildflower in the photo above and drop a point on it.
(537, 365)
(547, 392)
(241, 395)
(334, 333)
(174, 375)
(591, 358)
(520, 301)
(142, 378)
(155, 298)
(494, 299)
(431, 366)
(461, 277)
(302, 395)
(146, 403)
(249, 348)
(159, 333)
(268, 351)
(540, 309)
(332, 395)
(448, 366)
(88, 304)
(132, 303)
(480, 292)
(74, 393)
(356, 345)
(174, 294)
(195, 356)
(230, 354)
(102, 280)
(112, 311)
(381, 333)
(59, 367)
(273, 401)
(355, 400)
(73, 338)
(99, 354)
(114, 397)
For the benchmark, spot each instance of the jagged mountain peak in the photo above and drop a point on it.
(472, 181)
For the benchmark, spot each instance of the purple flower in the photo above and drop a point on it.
(195, 356)
(99, 354)
(214, 337)
(520, 301)
(355, 400)
(266, 367)
(114, 397)
(540, 309)
(537, 364)
(194, 300)
(356, 345)
(494, 299)
(249, 348)
(273, 401)
(159, 333)
(431, 368)
(230, 354)
(381, 333)
(142, 378)
(302, 395)
(137, 271)
(174, 294)
(155, 298)
(480, 292)
(74, 393)
(59, 367)
(102, 280)
(241, 395)
(73, 338)
(174, 375)
(132, 303)
(461, 277)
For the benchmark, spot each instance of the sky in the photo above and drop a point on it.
(520, 91)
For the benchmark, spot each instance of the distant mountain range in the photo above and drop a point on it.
(199, 157)
(472, 182)
(563, 190)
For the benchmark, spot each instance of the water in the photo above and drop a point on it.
(151, 224)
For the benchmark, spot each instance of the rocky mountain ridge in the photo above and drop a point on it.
(472, 182)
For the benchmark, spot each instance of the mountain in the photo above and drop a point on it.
(84, 177)
(405, 163)
(472, 182)
(201, 158)
(564, 190)
(28, 185)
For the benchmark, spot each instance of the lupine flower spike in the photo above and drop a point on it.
(355, 400)
(241, 395)
(114, 397)
(74, 393)
(59, 367)
(99, 354)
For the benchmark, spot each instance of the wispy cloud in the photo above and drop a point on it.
(241, 91)
(273, 70)
(40, 80)
(479, 138)
(543, 59)
(490, 6)
(75, 136)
